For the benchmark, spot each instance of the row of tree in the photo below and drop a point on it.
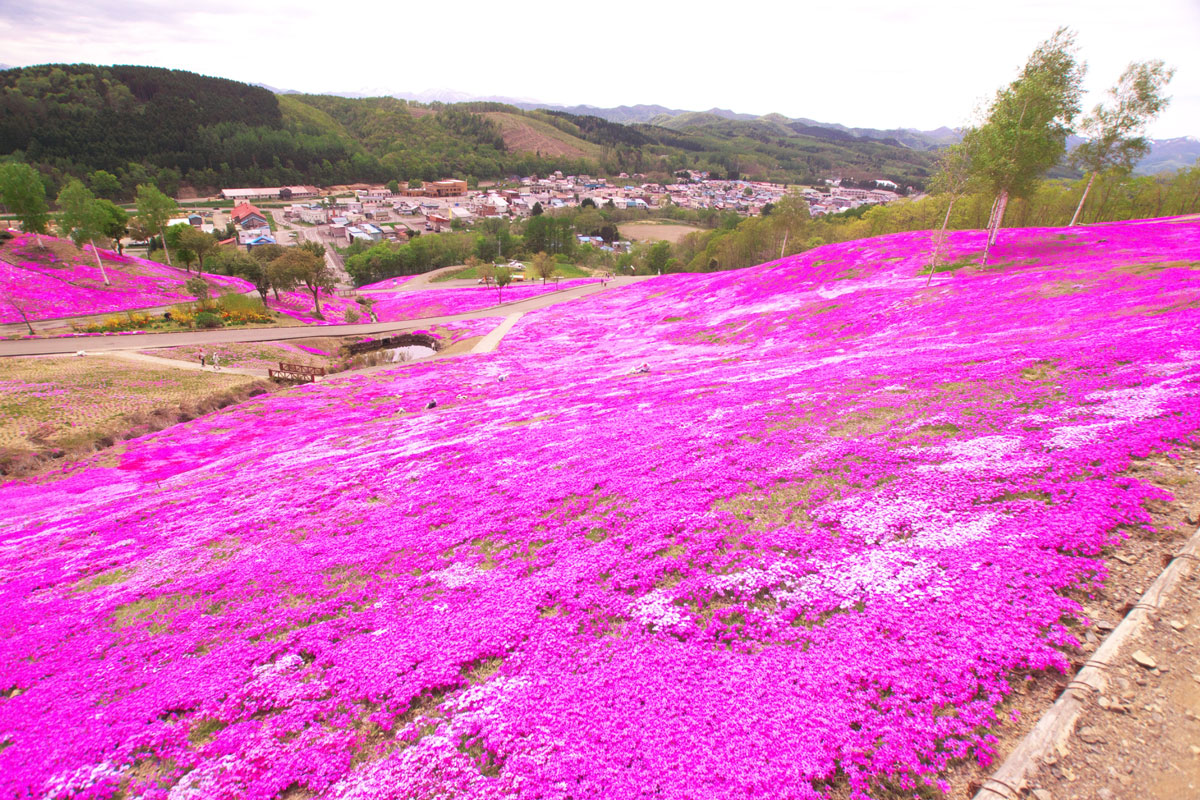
(1026, 127)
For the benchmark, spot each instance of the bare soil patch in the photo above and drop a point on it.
(657, 232)
(524, 137)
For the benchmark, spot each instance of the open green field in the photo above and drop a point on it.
(471, 273)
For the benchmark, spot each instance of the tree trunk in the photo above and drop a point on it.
(100, 263)
(21, 311)
(163, 234)
(938, 242)
(997, 221)
(785, 238)
(1082, 200)
(316, 300)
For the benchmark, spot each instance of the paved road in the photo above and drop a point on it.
(145, 341)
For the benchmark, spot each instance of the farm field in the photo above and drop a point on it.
(74, 405)
(656, 231)
(839, 538)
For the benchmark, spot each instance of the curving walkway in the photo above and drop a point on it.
(145, 341)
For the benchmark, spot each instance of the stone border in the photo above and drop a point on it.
(1054, 729)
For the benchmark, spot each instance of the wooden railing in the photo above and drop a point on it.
(300, 373)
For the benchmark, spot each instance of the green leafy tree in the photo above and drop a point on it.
(1027, 125)
(486, 270)
(393, 186)
(155, 208)
(659, 256)
(316, 248)
(502, 277)
(309, 270)
(114, 220)
(1114, 132)
(544, 267)
(82, 219)
(415, 183)
(104, 184)
(246, 266)
(537, 209)
(196, 240)
(24, 194)
(282, 273)
(198, 288)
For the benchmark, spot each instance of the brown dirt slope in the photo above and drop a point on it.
(532, 136)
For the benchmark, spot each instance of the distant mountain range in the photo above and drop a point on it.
(1165, 154)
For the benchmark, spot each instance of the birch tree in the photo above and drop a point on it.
(1027, 124)
(1114, 131)
(953, 179)
(82, 219)
(155, 209)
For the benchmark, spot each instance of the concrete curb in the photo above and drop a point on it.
(1054, 729)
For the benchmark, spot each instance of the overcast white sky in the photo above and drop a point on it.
(869, 63)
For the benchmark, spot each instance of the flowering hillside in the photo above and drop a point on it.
(402, 305)
(47, 286)
(809, 552)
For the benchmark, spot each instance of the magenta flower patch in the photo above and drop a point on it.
(808, 549)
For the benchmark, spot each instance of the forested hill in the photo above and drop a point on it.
(184, 130)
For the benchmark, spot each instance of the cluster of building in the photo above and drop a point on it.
(839, 198)
(438, 205)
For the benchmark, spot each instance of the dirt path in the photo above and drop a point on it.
(1139, 736)
(177, 363)
(150, 341)
(1142, 737)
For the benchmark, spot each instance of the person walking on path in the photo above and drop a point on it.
(201, 359)
(216, 362)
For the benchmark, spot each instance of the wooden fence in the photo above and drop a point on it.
(299, 373)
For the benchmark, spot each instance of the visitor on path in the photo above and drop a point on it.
(201, 359)
(431, 404)
(216, 362)
(640, 369)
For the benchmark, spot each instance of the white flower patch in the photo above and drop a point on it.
(879, 573)
(1071, 436)
(73, 783)
(656, 608)
(280, 665)
(986, 453)
(754, 579)
(456, 575)
(200, 781)
(1136, 403)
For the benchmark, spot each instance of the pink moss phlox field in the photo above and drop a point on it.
(60, 289)
(387, 283)
(420, 303)
(810, 551)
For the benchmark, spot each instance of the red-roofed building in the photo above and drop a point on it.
(247, 216)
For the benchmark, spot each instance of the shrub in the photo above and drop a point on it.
(233, 302)
(207, 319)
(184, 314)
(352, 315)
